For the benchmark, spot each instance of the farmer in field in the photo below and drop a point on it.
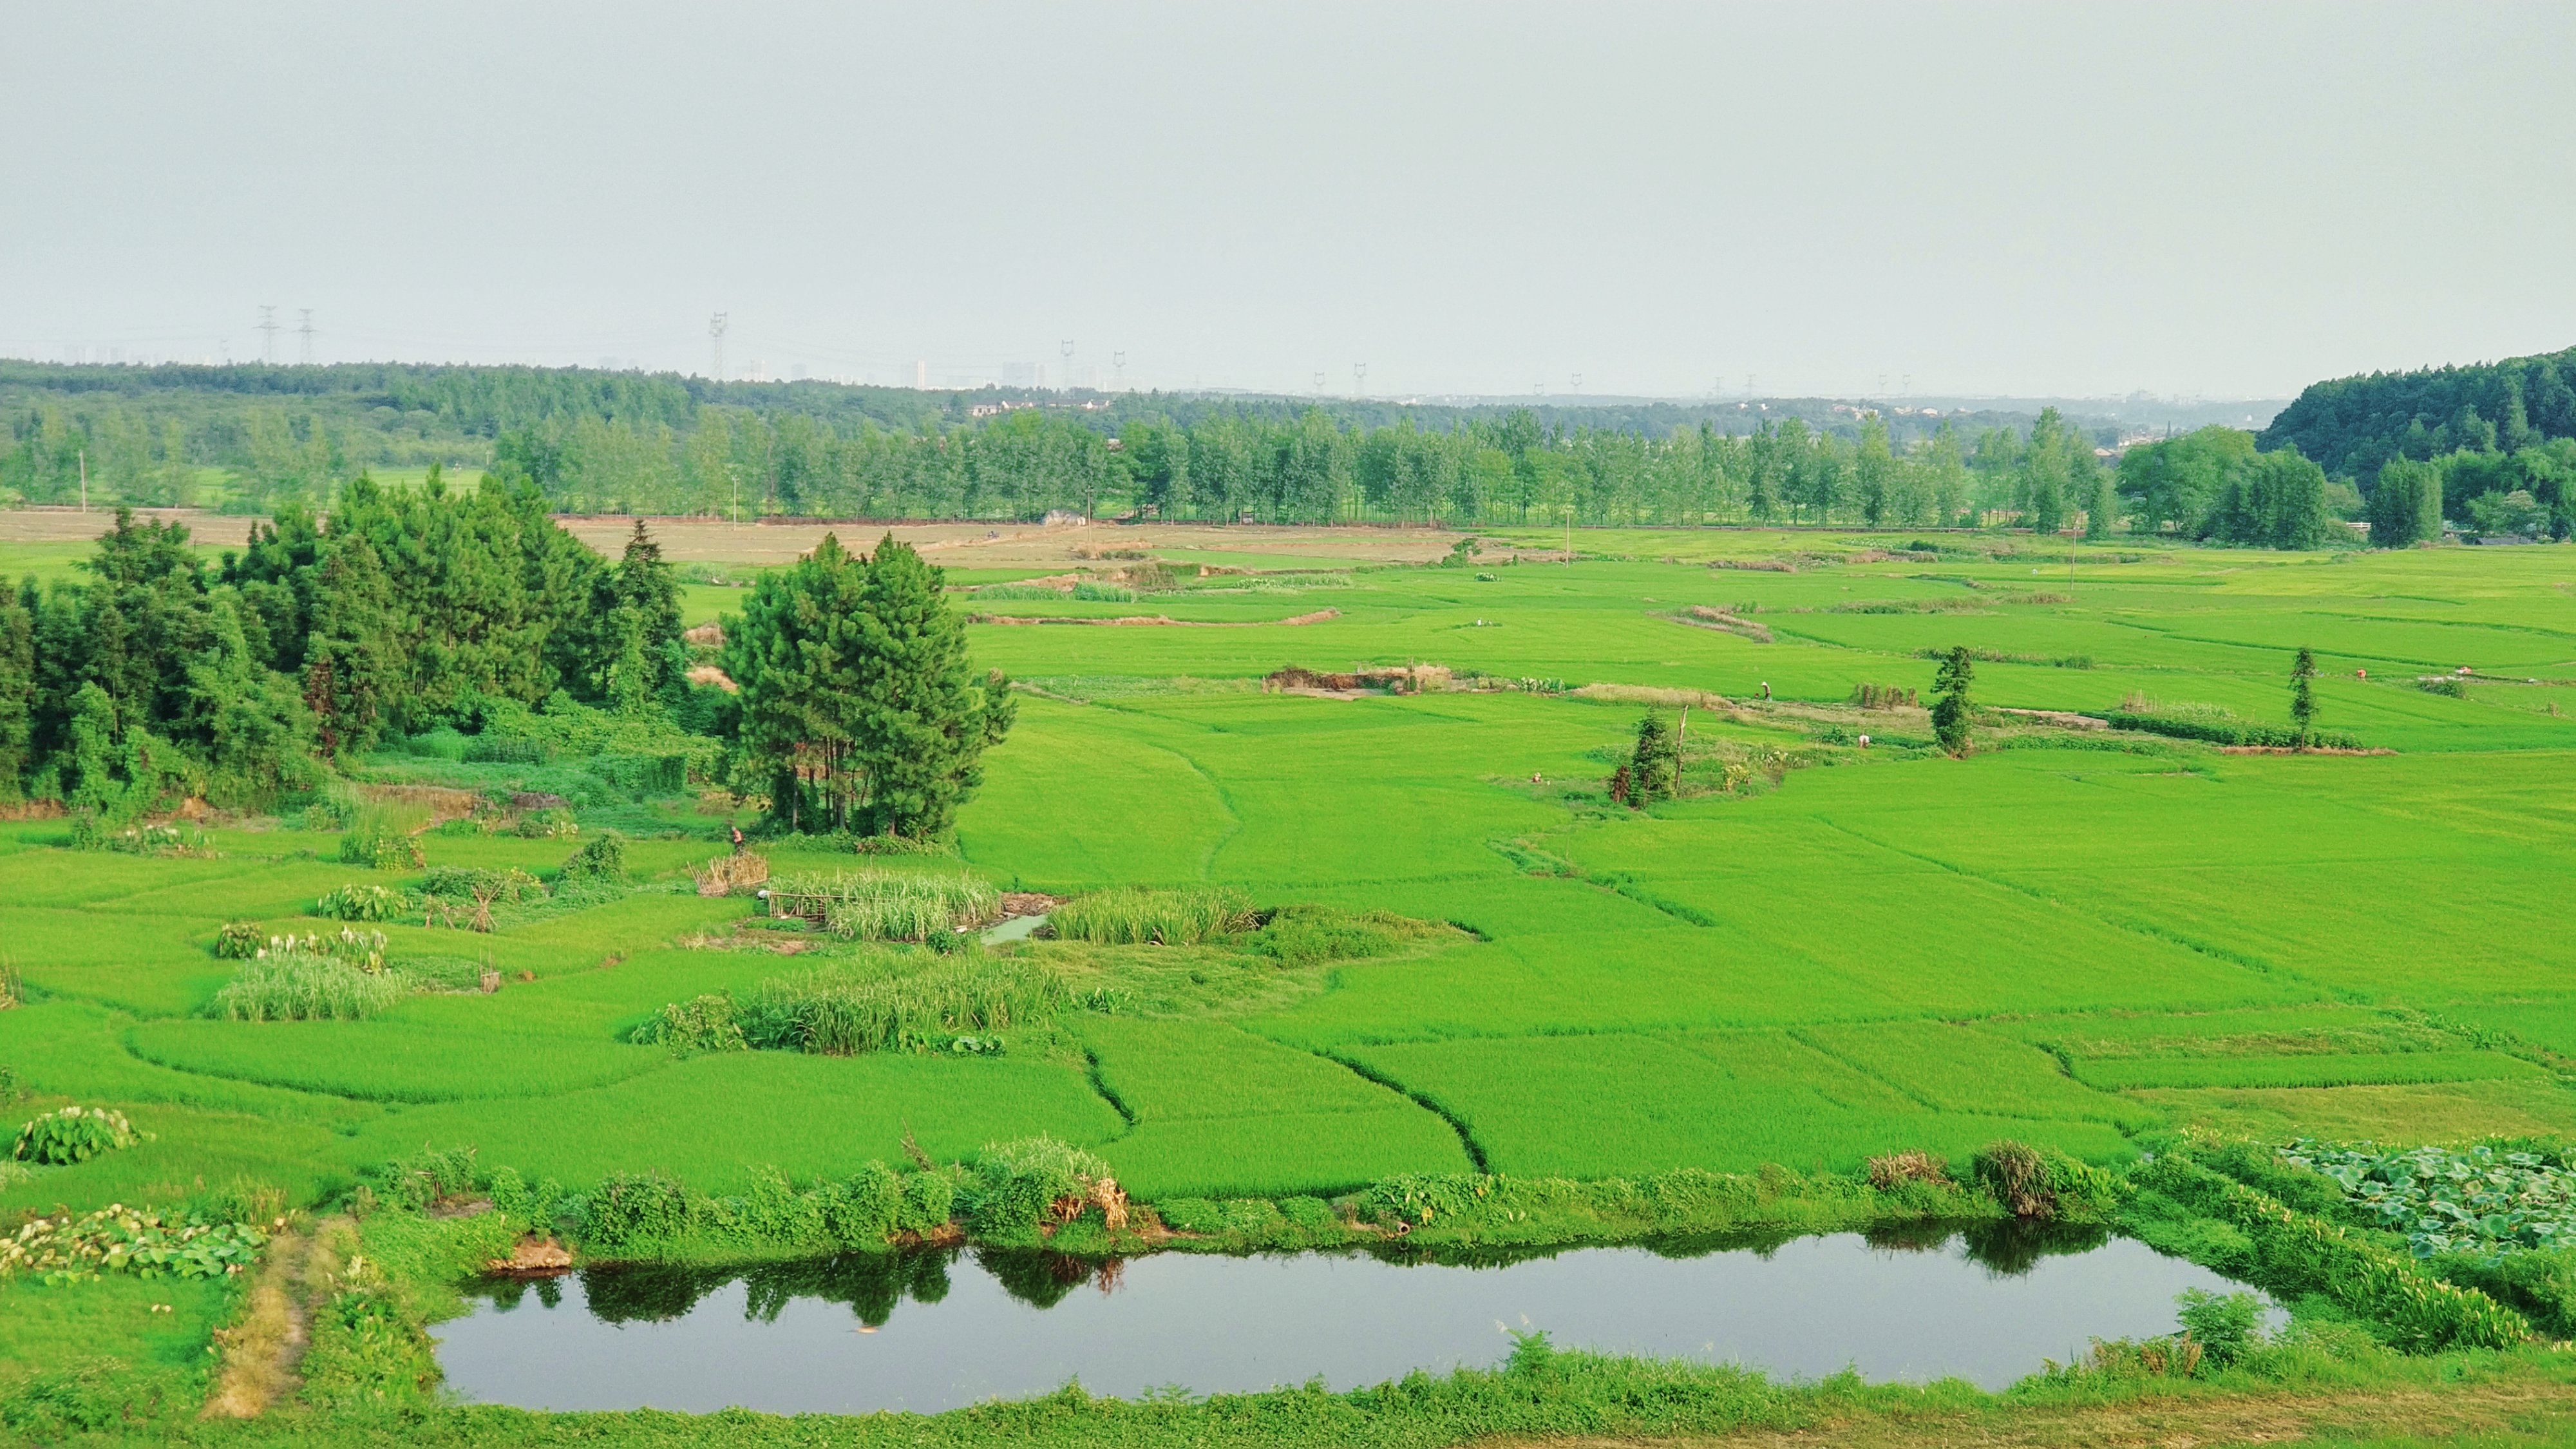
(737, 839)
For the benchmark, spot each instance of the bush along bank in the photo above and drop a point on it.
(1040, 1192)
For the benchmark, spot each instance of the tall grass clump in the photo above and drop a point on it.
(1129, 916)
(959, 1004)
(313, 978)
(877, 905)
(380, 833)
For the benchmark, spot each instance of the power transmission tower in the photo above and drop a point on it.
(1748, 385)
(715, 341)
(1066, 347)
(267, 335)
(1578, 382)
(1319, 384)
(1359, 379)
(1119, 360)
(304, 335)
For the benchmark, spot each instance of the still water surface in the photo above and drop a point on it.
(936, 1330)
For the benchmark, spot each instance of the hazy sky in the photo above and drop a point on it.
(2231, 199)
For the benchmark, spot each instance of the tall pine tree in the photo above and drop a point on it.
(924, 719)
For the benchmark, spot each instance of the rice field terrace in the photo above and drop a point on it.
(1385, 917)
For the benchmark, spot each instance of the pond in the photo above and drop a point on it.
(934, 1330)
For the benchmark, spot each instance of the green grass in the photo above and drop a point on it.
(1604, 1105)
(1875, 953)
(2308, 1070)
(390, 1061)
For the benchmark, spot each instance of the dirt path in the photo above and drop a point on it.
(261, 1354)
(2542, 1410)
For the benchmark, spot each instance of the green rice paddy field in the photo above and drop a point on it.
(2068, 940)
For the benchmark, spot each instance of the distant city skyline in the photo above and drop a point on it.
(1637, 200)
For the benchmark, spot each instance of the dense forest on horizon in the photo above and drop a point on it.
(2353, 426)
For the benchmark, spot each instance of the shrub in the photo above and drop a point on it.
(629, 1208)
(840, 1009)
(550, 824)
(1312, 1214)
(1128, 916)
(74, 1134)
(430, 1177)
(363, 903)
(2224, 1325)
(1104, 593)
(700, 1024)
(602, 861)
(1037, 1182)
(929, 1200)
(239, 941)
(864, 1208)
(13, 988)
(2448, 685)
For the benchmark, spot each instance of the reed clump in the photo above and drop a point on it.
(1130, 916)
(956, 1004)
(878, 905)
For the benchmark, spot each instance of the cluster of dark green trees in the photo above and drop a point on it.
(858, 709)
(2490, 447)
(158, 676)
(2211, 484)
(2354, 426)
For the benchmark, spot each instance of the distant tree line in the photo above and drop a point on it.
(258, 439)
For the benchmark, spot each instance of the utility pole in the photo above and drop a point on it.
(715, 342)
(305, 336)
(83, 455)
(267, 335)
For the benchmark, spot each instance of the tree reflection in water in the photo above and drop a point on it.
(875, 1284)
